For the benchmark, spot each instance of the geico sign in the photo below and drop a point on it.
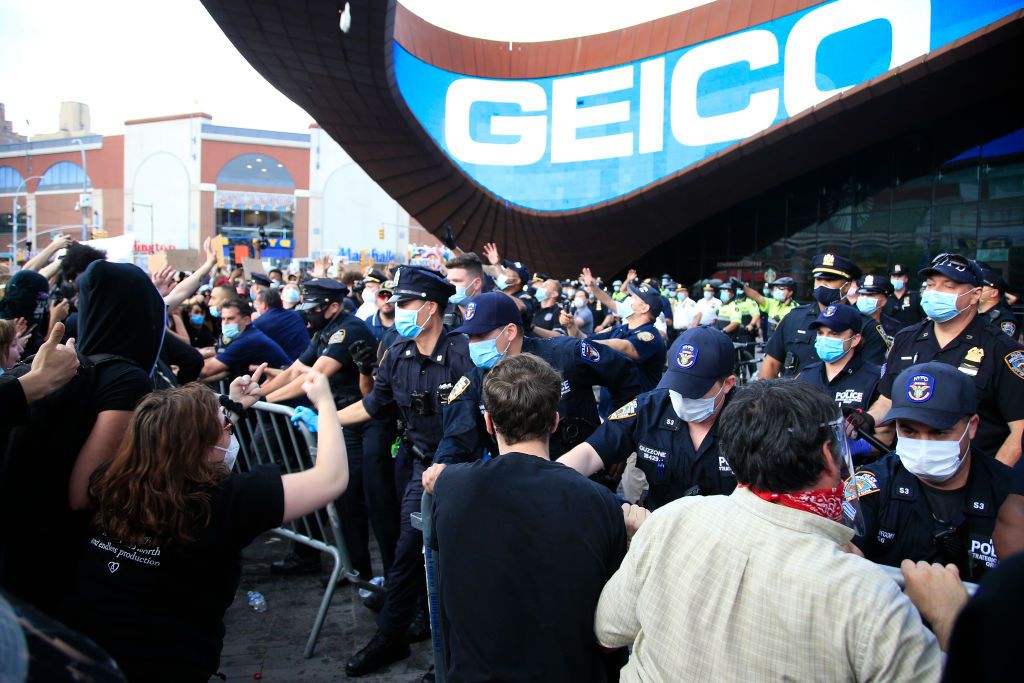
(910, 22)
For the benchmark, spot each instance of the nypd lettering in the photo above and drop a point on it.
(687, 356)
(1015, 361)
(983, 551)
(919, 388)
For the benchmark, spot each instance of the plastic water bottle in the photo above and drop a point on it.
(256, 601)
(366, 592)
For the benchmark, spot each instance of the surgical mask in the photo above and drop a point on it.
(579, 303)
(940, 306)
(778, 295)
(197, 319)
(274, 284)
(291, 296)
(485, 354)
(681, 296)
(252, 296)
(501, 282)
(405, 321)
(694, 409)
(624, 309)
(541, 296)
(826, 296)
(230, 331)
(897, 284)
(866, 305)
(933, 461)
(830, 349)
(724, 296)
(230, 453)
(214, 311)
(460, 296)
(708, 295)
(766, 291)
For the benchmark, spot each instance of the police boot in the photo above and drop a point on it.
(379, 652)
(419, 629)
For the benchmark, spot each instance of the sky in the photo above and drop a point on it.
(129, 60)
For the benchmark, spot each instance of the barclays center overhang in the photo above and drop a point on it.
(379, 90)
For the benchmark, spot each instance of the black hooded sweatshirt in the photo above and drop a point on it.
(27, 296)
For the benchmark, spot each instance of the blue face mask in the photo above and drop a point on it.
(459, 297)
(485, 354)
(501, 282)
(291, 296)
(866, 305)
(897, 284)
(830, 349)
(778, 295)
(541, 296)
(405, 321)
(724, 296)
(624, 309)
(197, 319)
(230, 330)
(940, 306)
(214, 311)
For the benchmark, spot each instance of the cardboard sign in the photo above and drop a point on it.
(178, 259)
(252, 265)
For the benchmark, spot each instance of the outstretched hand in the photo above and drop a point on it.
(163, 280)
(491, 252)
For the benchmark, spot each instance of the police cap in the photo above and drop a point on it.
(874, 284)
(417, 282)
(697, 359)
(898, 269)
(650, 295)
(787, 282)
(838, 318)
(375, 276)
(517, 266)
(935, 394)
(260, 279)
(956, 267)
(320, 292)
(487, 312)
(833, 266)
(991, 277)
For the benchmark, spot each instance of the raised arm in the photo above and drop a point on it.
(189, 285)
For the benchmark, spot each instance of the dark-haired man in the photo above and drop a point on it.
(513, 533)
(466, 273)
(287, 328)
(240, 345)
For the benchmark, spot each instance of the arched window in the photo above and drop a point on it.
(64, 175)
(10, 179)
(256, 170)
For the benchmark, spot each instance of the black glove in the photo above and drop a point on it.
(736, 283)
(364, 356)
(860, 421)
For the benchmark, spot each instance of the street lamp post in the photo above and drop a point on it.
(14, 228)
(85, 186)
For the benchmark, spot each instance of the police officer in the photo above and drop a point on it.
(745, 317)
(842, 372)
(957, 336)
(873, 292)
(466, 273)
(493, 326)
(777, 304)
(934, 499)
(993, 306)
(674, 428)
(903, 304)
(512, 281)
(792, 345)
(416, 375)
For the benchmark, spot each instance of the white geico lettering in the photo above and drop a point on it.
(910, 22)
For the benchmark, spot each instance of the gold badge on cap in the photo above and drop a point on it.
(828, 260)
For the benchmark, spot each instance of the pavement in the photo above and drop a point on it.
(268, 646)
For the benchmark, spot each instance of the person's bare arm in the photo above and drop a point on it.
(179, 328)
(770, 367)
(1009, 532)
(353, 414)
(584, 459)
(1009, 452)
(591, 282)
(58, 313)
(106, 435)
(295, 388)
(878, 410)
(212, 369)
(49, 271)
(568, 322)
(43, 257)
(620, 345)
(189, 285)
(284, 377)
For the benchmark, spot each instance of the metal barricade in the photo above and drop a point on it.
(424, 521)
(267, 437)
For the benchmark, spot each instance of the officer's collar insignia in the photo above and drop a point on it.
(919, 388)
(861, 484)
(830, 311)
(470, 310)
(687, 356)
(975, 354)
(828, 260)
(588, 352)
(628, 410)
(459, 387)
(1015, 361)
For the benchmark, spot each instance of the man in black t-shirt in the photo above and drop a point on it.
(525, 544)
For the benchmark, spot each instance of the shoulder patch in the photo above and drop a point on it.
(337, 338)
(645, 336)
(459, 387)
(1015, 361)
(588, 352)
(1009, 327)
(863, 483)
(628, 410)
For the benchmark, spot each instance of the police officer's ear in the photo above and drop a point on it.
(974, 296)
(972, 427)
(728, 384)
(856, 340)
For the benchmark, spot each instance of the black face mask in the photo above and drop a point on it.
(315, 320)
(826, 296)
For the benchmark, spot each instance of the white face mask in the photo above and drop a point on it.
(931, 461)
(230, 453)
(694, 409)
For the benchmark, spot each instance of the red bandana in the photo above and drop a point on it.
(827, 503)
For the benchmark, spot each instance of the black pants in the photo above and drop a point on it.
(406, 582)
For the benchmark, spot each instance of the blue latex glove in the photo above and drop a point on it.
(306, 416)
(858, 448)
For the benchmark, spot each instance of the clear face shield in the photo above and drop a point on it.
(853, 516)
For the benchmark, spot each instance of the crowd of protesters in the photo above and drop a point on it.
(633, 479)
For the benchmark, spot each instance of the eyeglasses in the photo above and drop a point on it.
(228, 425)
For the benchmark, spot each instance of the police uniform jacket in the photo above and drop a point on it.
(649, 346)
(854, 386)
(1003, 318)
(531, 307)
(793, 341)
(334, 341)
(890, 326)
(650, 427)
(899, 524)
(581, 365)
(906, 309)
(994, 361)
(418, 386)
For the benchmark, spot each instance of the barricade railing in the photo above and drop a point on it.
(267, 437)
(424, 521)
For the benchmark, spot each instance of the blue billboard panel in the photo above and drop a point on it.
(568, 142)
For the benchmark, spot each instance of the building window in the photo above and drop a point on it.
(64, 175)
(256, 170)
(10, 179)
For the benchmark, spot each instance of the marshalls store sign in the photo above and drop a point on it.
(564, 143)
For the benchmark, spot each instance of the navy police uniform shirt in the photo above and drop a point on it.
(890, 326)
(418, 386)
(900, 523)
(531, 307)
(994, 361)
(650, 427)
(905, 309)
(1003, 319)
(793, 341)
(581, 365)
(853, 387)
(251, 347)
(334, 341)
(287, 328)
(649, 346)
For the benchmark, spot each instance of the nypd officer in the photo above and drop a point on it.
(957, 336)
(903, 304)
(674, 428)
(777, 305)
(993, 306)
(792, 345)
(493, 326)
(842, 372)
(873, 292)
(415, 377)
(934, 499)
